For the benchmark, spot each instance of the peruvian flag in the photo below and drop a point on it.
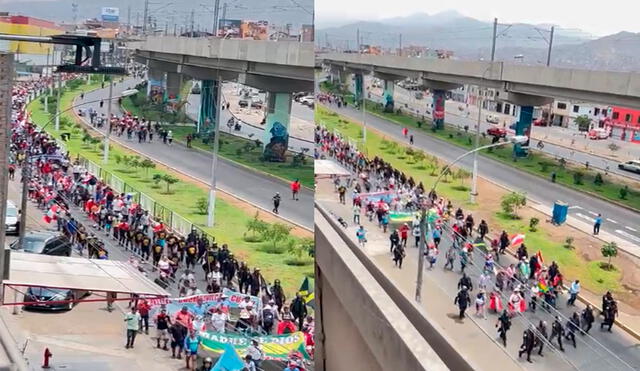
(517, 239)
(51, 214)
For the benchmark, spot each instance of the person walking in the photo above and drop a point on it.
(557, 330)
(132, 320)
(610, 316)
(503, 325)
(191, 344)
(542, 337)
(276, 202)
(299, 310)
(450, 256)
(528, 341)
(504, 242)
(361, 233)
(572, 326)
(587, 319)
(394, 240)
(163, 321)
(143, 310)
(356, 213)
(295, 189)
(574, 290)
(462, 300)
(596, 225)
(398, 255)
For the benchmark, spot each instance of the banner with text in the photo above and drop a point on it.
(275, 347)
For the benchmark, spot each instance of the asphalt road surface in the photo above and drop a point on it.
(619, 221)
(258, 189)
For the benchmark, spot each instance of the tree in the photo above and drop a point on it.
(446, 172)
(598, 180)
(169, 180)
(202, 205)
(118, 159)
(511, 202)
(157, 178)
(461, 174)
(419, 156)
(302, 246)
(624, 191)
(577, 177)
(533, 224)
(583, 122)
(147, 165)
(257, 225)
(609, 250)
(613, 147)
(277, 233)
(134, 163)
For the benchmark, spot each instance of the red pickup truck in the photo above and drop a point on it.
(497, 131)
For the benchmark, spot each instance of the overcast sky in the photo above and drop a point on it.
(597, 17)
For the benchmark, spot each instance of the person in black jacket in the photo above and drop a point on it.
(277, 293)
(394, 240)
(541, 337)
(557, 331)
(462, 300)
(244, 278)
(504, 242)
(528, 341)
(503, 325)
(572, 326)
(299, 310)
(465, 281)
(587, 318)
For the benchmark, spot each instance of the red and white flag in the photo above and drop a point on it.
(51, 214)
(517, 239)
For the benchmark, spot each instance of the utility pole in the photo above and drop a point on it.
(216, 11)
(400, 45)
(474, 185)
(129, 17)
(191, 21)
(175, 27)
(6, 84)
(224, 11)
(58, 101)
(550, 46)
(358, 40)
(493, 42)
(144, 16)
(421, 251)
(105, 153)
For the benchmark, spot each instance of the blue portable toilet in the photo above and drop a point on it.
(560, 210)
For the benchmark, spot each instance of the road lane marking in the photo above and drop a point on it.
(612, 221)
(575, 207)
(585, 217)
(627, 235)
(631, 229)
(592, 213)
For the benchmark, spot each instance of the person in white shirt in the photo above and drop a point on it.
(219, 320)
(255, 352)
(215, 276)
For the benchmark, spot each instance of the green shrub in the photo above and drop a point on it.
(533, 224)
(598, 180)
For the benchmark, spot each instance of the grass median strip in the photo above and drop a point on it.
(182, 198)
(537, 163)
(234, 148)
(425, 168)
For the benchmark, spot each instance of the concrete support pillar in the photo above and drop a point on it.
(174, 84)
(388, 96)
(438, 110)
(208, 100)
(343, 76)
(276, 131)
(523, 127)
(359, 88)
(156, 86)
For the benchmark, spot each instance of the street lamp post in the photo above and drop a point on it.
(105, 153)
(426, 227)
(474, 182)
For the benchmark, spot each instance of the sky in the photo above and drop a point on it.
(596, 17)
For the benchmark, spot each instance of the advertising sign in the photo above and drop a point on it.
(230, 27)
(109, 14)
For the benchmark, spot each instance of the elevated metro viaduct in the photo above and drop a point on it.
(278, 67)
(526, 86)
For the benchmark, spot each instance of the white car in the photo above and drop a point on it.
(307, 101)
(633, 166)
(492, 119)
(12, 220)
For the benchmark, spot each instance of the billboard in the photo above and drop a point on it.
(254, 30)
(110, 14)
(229, 27)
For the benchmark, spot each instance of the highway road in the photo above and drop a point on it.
(616, 220)
(469, 117)
(255, 187)
(599, 351)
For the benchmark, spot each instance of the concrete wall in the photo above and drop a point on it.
(585, 85)
(359, 324)
(293, 53)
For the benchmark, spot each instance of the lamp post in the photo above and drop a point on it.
(105, 153)
(425, 227)
(474, 182)
(26, 172)
(216, 143)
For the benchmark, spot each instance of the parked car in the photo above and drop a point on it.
(633, 166)
(243, 103)
(196, 89)
(12, 220)
(497, 131)
(298, 95)
(52, 299)
(44, 242)
(598, 133)
(492, 119)
(256, 104)
(307, 100)
(540, 122)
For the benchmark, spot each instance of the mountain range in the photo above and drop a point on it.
(470, 39)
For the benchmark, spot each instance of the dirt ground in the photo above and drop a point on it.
(586, 245)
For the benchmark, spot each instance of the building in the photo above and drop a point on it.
(307, 33)
(27, 54)
(624, 123)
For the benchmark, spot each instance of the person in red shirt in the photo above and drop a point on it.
(185, 318)
(295, 189)
(143, 309)
(404, 233)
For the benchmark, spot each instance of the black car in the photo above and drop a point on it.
(52, 299)
(44, 242)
